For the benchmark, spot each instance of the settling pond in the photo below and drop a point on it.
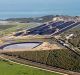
(23, 45)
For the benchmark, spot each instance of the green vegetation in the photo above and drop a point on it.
(63, 58)
(75, 40)
(3, 27)
(8, 68)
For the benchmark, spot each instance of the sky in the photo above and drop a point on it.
(66, 7)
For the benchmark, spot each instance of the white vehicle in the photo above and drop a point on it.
(66, 45)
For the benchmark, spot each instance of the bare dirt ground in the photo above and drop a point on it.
(47, 46)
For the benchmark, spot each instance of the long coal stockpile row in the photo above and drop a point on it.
(54, 28)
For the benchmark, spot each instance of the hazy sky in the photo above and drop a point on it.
(56, 6)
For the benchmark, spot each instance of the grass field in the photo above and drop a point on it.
(8, 68)
(2, 27)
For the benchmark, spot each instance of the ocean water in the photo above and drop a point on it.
(20, 14)
(32, 8)
(5, 15)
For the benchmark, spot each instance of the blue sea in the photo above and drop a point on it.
(5, 15)
(32, 8)
(20, 14)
